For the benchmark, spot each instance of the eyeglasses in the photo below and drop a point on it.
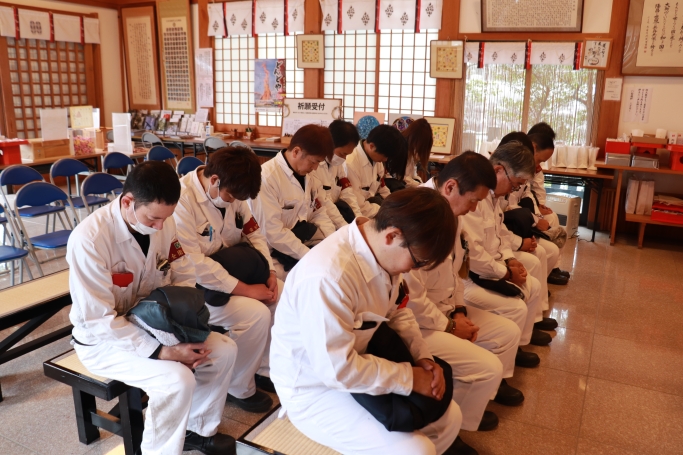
(416, 264)
(512, 186)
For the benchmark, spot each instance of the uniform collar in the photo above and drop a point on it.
(429, 184)
(362, 155)
(282, 161)
(122, 233)
(197, 187)
(369, 266)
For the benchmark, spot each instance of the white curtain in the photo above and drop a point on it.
(34, 25)
(357, 15)
(396, 14)
(295, 16)
(238, 17)
(269, 16)
(430, 14)
(216, 20)
(330, 9)
(471, 52)
(91, 30)
(504, 53)
(553, 53)
(67, 28)
(7, 25)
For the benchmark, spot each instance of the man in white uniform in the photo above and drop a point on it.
(480, 346)
(288, 208)
(332, 305)
(491, 257)
(365, 166)
(212, 215)
(118, 256)
(338, 196)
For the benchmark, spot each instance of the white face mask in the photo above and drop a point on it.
(138, 226)
(218, 200)
(337, 161)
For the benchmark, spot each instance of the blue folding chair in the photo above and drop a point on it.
(117, 160)
(3, 224)
(161, 153)
(99, 183)
(69, 167)
(19, 174)
(187, 165)
(149, 140)
(211, 144)
(10, 253)
(38, 194)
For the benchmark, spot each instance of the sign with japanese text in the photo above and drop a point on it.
(661, 34)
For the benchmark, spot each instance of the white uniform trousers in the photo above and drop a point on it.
(552, 219)
(249, 322)
(498, 335)
(178, 399)
(523, 312)
(334, 419)
(476, 373)
(552, 254)
(536, 264)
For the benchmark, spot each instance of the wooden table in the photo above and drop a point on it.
(262, 148)
(46, 162)
(643, 220)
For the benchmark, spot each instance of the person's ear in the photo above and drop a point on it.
(213, 179)
(392, 235)
(126, 200)
(371, 147)
(450, 186)
(296, 152)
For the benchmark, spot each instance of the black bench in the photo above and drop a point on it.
(124, 419)
(32, 303)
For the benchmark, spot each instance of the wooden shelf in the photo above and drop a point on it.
(646, 219)
(661, 170)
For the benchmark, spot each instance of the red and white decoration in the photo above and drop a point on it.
(216, 21)
(269, 16)
(238, 17)
(396, 14)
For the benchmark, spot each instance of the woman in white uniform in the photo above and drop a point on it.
(366, 168)
(332, 304)
(288, 208)
(491, 257)
(118, 256)
(338, 196)
(420, 138)
(212, 215)
(480, 346)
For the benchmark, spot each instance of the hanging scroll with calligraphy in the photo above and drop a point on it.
(141, 57)
(531, 15)
(654, 38)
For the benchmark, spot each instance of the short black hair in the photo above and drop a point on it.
(543, 136)
(470, 170)
(425, 219)
(343, 133)
(542, 128)
(153, 181)
(516, 158)
(238, 169)
(519, 137)
(389, 142)
(314, 140)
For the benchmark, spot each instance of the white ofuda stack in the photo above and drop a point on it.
(561, 152)
(572, 156)
(592, 157)
(583, 158)
(640, 196)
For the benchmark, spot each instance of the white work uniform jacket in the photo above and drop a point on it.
(537, 186)
(317, 337)
(335, 185)
(203, 230)
(100, 250)
(411, 178)
(435, 293)
(489, 240)
(282, 202)
(367, 179)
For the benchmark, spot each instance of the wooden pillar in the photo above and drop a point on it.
(313, 77)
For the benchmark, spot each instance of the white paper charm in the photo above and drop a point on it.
(295, 16)
(357, 15)
(504, 53)
(216, 21)
(552, 53)
(396, 14)
(269, 16)
(238, 18)
(91, 30)
(7, 25)
(429, 14)
(34, 25)
(67, 28)
(471, 52)
(330, 18)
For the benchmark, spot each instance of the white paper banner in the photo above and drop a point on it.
(54, 124)
(67, 28)
(295, 16)
(638, 101)
(330, 9)
(430, 14)
(269, 16)
(91, 30)
(216, 20)
(203, 69)
(34, 24)
(238, 18)
(552, 53)
(7, 25)
(504, 53)
(396, 14)
(357, 15)
(471, 52)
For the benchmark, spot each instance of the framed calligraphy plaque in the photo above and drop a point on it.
(531, 15)
(141, 57)
(596, 53)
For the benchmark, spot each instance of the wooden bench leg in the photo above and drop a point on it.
(641, 234)
(85, 404)
(132, 422)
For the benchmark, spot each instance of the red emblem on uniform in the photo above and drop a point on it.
(317, 204)
(250, 227)
(403, 291)
(344, 183)
(176, 251)
(381, 182)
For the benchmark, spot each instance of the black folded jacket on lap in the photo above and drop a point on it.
(242, 261)
(399, 412)
(345, 210)
(304, 231)
(500, 286)
(521, 222)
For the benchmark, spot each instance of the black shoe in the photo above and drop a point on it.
(560, 272)
(556, 278)
(546, 324)
(258, 402)
(489, 421)
(526, 359)
(264, 383)
(218, 444)
(460, 448)
(508, 395)
(539, 338)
